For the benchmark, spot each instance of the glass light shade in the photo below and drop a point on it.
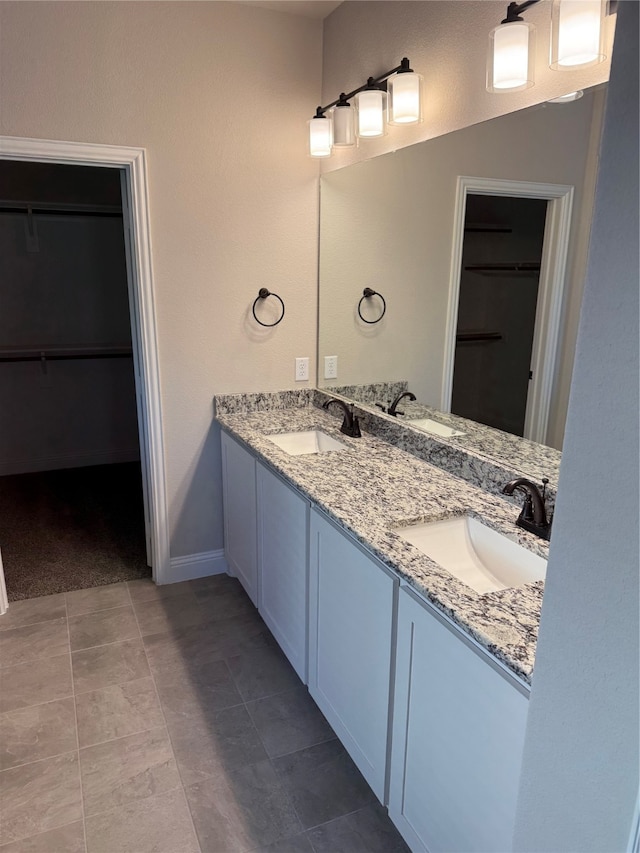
(510, 57)
(577, 33)
(344, 126)
(405, 103)
(372, 112)
(320, 137)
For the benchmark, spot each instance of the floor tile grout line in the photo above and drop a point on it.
(123, 737)
(340, 817)
(5, 669)
(75, 716)
(100, 610)
(133, 801)
(308, 746)
(108, 686)
(26, 624)
(39, 761)
(102, 645)
(39, 704)
(24, 838)
(32, 624)
(286, 791)
(173, 753)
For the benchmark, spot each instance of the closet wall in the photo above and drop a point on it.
(63, 290)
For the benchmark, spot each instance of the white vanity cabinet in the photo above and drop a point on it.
(458, 735)
(283, 521)
(351, 605)
(240, 514)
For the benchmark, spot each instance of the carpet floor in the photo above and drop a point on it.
(72, 529)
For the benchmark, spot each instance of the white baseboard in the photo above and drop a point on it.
(68, 460)
(196, 566)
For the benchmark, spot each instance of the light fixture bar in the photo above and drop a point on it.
(371, 118)
(373, 81)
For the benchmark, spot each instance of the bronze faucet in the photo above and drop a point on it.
(533, 515)
(350, 424)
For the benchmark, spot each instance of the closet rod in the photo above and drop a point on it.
(60, 354)
(53, 209)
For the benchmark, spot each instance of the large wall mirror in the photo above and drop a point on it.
(477, 241)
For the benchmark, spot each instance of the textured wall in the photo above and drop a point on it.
(218, 94)
(446, 41)
(580, 768)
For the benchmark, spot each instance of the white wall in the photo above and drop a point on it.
(388, 224)
(219, 95)
(580, 768)
(446, 41)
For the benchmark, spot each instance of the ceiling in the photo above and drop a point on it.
(317, 9)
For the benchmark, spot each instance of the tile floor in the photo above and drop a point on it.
(140, 718)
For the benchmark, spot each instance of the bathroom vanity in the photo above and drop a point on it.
(424, 680)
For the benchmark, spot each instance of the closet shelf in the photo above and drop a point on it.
(63, 353)
(485, 228)
(525, 268)
(60, 209)
(471, 337)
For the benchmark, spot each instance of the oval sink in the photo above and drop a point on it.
(480, 557)
(309, 441)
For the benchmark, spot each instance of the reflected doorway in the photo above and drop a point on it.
(500, 273)
(558, 201)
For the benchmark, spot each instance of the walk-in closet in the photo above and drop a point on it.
(71, 503)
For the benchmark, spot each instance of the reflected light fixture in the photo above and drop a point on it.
(577, 38)
(393, 97)
(568, 98)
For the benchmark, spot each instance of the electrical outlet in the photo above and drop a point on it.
(331, 367)
(302, 369)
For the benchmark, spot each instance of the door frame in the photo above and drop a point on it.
(550, 290)
(145, 357)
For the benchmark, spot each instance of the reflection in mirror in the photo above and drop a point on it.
(390, 224)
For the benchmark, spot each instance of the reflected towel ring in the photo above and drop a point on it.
(366, 293)
(262, 294)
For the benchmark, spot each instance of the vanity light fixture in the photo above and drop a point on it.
(320, 135)
(393, 97)
(511, 52)
(577, 38)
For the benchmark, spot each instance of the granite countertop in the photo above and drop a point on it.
(371, 488)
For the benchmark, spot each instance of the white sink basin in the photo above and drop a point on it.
(480, 557)
(435, 428)
(311, 441)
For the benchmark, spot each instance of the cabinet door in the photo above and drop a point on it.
(350, 633)
(458, 734)
(283, 517)
(239, 495)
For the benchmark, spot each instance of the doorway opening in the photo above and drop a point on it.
(71, 497)
(472, 336)
(130, 164)
(501, 258)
